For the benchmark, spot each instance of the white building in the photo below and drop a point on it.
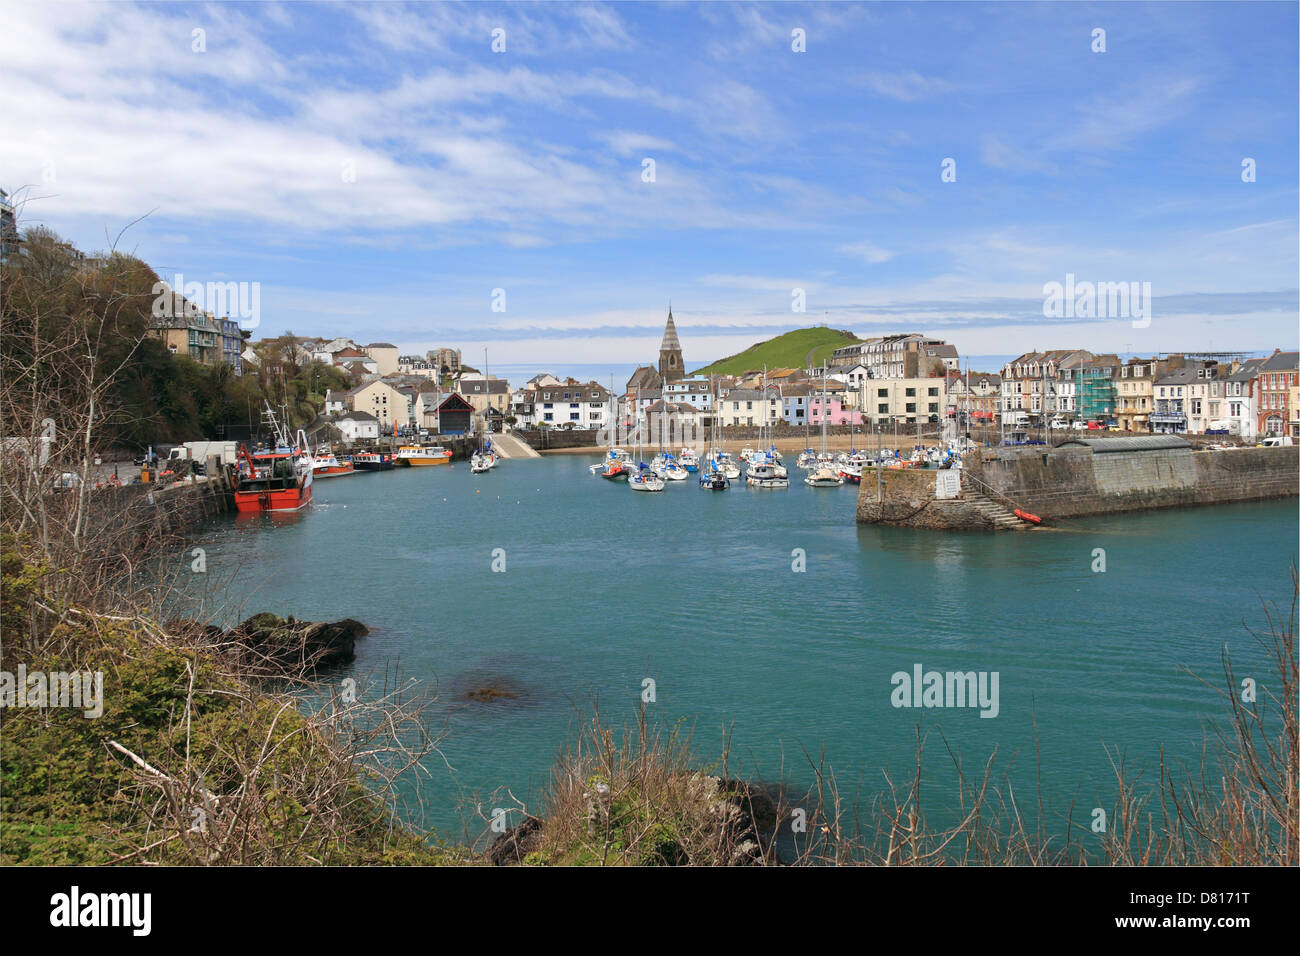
(357, 427)
(571, 404)
(1240, 399)
(696, 392)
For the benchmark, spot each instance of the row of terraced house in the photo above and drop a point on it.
(1189, 393)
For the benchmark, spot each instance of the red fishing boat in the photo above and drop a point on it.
(278, 480)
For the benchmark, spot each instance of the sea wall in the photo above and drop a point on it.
(907, 498)
(543, 438)
(1072, 480)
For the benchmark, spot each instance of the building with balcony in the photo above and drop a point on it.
(1169, 412)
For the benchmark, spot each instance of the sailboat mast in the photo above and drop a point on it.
(823, 408)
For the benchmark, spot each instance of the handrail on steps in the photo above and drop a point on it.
(988, 490)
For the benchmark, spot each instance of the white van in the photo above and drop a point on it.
(1276, 441)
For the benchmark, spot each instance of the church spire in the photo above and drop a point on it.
(671, 364)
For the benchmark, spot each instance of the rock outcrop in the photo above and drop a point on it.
(298, 647)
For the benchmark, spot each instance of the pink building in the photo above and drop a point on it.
(836, 413)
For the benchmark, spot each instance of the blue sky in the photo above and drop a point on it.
(774, 170)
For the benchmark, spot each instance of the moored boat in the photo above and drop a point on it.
(373, 461)
(765, 475)
(423, 455)
(279, 480)
(328, 466)
(823, 477)
(645, 480)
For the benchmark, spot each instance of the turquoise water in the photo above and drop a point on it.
(603, 588)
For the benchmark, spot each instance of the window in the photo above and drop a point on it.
(911, 407)
(882, 409)
(910, 393)
(934, 406)
(933, 393)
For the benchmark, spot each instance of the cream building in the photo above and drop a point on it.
(385, 356)
(905, 399)
(389, 406)
(1135, 395)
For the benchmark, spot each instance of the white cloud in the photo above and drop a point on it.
(907, 86)
(626, 143)
(868, 251)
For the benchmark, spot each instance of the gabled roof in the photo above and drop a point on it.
(1178, 376)
(357, 417)
(1249, 369)
(645, 376)
(1281, 362)
(494, 386)
(454, 402)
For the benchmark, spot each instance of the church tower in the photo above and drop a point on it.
(671, 365)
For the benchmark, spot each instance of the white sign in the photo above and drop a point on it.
(947, 484)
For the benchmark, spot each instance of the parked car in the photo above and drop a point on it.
(1276, 441)
(1079, 425)
(1058, 423)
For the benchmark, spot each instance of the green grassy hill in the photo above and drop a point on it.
(789, 350)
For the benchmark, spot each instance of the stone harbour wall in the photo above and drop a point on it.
(909, 501)
(1078, 480)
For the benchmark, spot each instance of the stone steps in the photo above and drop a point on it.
(1001, 517)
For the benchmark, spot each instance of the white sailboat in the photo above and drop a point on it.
(711, 477)
(644, 478)
(825, 475)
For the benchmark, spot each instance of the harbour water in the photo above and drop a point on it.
(698, 591)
